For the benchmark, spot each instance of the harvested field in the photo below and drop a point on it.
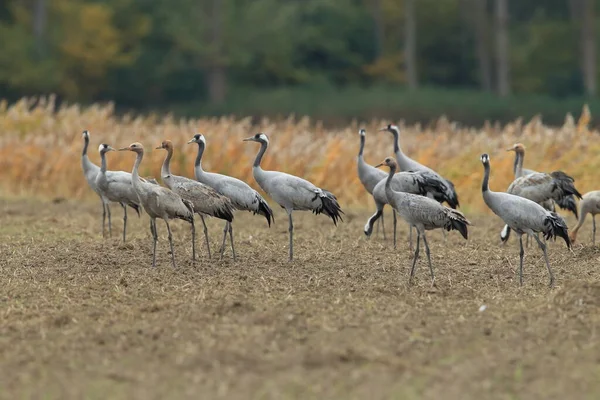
(83, 317)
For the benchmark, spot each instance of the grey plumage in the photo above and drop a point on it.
(424, 214)
(204, 199)
(240, 193)
(589, 204)
(405, 163)
(524, 216)
(291, 192)
(160, 202)
(544, 189)
(116, 186)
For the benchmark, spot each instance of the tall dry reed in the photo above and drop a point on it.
(40, 149)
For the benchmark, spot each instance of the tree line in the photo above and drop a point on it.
(152, 53)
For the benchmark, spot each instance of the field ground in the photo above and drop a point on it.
(83, 317)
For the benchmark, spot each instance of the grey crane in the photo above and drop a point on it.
(419, 183)
(370, 176)
(240, 193)
(524, 216)
(116, 186)
(407, 164)
(291, 192)
(422, 213)
(160, 202)
(566, 202)
(589, 204)
(206, 200)
(541, 188)
(91, 171)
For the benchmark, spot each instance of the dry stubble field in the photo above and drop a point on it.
(83, 317)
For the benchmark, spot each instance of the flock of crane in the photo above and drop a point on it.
(416, 194)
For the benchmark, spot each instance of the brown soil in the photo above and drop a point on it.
(83, 317)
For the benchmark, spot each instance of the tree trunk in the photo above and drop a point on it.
(410, 45)
(588, 47)
(217, 71)
(502, 60)
(39, 25)
(480, 22)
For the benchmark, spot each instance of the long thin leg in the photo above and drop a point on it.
(383, 225)
(171, 243)
(231, 238)
(543, 247)
(521, 254)
(415, 257)
(594, 229)
(103, 219)
(193, 240)
(291, 230)
(527, 242)
(205, 235)
(410, 237)
(429, 259)
(377, 228)
(124, 221)
(109, 222)
(395, 223)
(225, 230)
(155, 239)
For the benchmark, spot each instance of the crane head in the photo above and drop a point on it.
(135, 147)
(198, 138)
(259, 137)
(166, 144)
(86, 134)
(517, 148)
(391, 128)
(362, 132)
(104, 148)
(388, 162)
(485, 158)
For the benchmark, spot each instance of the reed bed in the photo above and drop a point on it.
(40, 149)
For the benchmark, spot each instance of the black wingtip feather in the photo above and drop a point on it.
(556, 226)
(265, 210)
(568, 203)
(330, 207)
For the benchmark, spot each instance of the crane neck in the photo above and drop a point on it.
(362, 146)
(135, 175)
(388, 182)
(103, 162)
(486, 178)
(86, 142)
(401, 158)
(518, 166)
(166, 166)
(261, 153)
(198, 162)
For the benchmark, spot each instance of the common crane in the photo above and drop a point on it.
(524, 216)
(291, 192)
(423, 213)
(205, 200)
(240, 193)
(160, 202)
(589, 204)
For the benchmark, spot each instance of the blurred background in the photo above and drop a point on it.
(472, 60)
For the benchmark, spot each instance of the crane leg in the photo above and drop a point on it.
(291, 230)
(410, 239)
(124, 221)
(193, 240)
(155, 239)
(224, 238)
(415, 257)
(109, 221)
(521, 254)
(103, 220)
(205, 235)
(543, 247)
(171, 243)
(429, 259)
(395, 223)
(382, 225)
(231, 239)
(594, 229)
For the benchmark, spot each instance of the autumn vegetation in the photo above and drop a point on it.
(40, 148)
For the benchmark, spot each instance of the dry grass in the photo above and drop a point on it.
(85, 318)
(40, 149)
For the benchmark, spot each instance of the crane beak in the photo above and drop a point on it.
(110, 149)
(159, 147)
(379, 165)
(249, 139)
(192, 141)
(124, 148)
(382, 130)
(510, 149)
